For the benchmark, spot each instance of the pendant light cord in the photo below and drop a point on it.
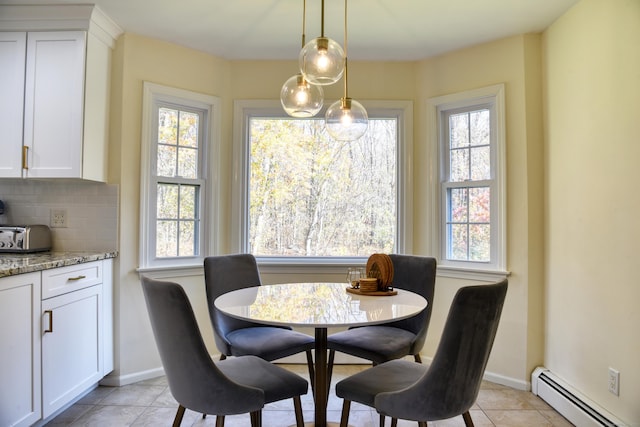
(322, 20)
(304, 21)
(346, 68)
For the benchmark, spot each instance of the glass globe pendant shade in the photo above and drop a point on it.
(301, 99)
(321, 61)
(346, 120)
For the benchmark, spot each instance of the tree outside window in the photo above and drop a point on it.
(311, 196)
(177, 216)
(468, 225)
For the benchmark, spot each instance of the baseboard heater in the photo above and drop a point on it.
(568, 402)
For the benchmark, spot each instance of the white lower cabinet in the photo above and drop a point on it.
(20, 386)
(71, 346)
(56, 339)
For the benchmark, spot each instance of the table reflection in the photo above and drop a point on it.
(317, 304)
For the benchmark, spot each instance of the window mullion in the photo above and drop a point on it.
(176, 166)
(469, 166)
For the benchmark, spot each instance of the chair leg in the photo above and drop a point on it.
(382, 417)
(394, 422)
(332, 355)
(297, 406)
(220, 421)
(223, 356)
(467, 419)
(256, 418)
(344, 419)
(311, 372)
(178, 419)
(422, 424)
(417, 358)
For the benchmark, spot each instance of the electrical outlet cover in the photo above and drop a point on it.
(614, 381)
(58, 218)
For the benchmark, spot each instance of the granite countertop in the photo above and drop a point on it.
(12, 264)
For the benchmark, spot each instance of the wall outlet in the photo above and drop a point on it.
(58, 218)
(614, 381)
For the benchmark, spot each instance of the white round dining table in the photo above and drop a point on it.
(318, 305)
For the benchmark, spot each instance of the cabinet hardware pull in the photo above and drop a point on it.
(25, 153)
(76, 278)
(50, 328)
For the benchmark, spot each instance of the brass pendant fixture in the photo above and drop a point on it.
(322, 61)
(298, 97)
(346, 119)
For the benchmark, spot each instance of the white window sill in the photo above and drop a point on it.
(168, 272)
(472, 274)
(306, 265)
(318, 266)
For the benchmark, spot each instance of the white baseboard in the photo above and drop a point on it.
(497, 378)
(113, 380)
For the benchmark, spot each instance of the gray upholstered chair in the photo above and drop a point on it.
(235, 337)
(398, 339)
(234, 386)
(450, 385)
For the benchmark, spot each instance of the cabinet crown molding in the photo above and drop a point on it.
(84, 17)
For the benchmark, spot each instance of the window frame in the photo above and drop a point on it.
(154, 97)
(244, 110)
(493, 98)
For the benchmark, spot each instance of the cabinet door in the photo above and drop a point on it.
(20, 387)
(12, 66)
(54, 93)
(71, 346)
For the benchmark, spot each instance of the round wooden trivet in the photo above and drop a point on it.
(380, 267)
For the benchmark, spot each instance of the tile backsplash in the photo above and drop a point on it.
(91, 211)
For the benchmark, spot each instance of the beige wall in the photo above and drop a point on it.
(512, 61)
(138, 59)
(592, 119)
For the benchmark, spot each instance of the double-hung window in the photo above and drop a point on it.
(177, 136)
(304, 198)
(469, 136)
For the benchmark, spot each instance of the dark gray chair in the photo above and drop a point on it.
(450, 385)
(235, 337)
(234, 386)
(398, 339)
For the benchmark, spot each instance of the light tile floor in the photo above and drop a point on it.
(149, 403)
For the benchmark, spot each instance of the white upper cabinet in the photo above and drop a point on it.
(53, 105)
(12, 65)
(58, 114)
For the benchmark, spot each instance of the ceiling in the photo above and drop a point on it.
(396, 30)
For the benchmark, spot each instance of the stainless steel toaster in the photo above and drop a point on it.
(25, 238)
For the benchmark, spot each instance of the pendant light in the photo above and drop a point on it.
(322, 59)
(299, 98)
(346, 119)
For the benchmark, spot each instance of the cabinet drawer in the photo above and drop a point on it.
(58, 281)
